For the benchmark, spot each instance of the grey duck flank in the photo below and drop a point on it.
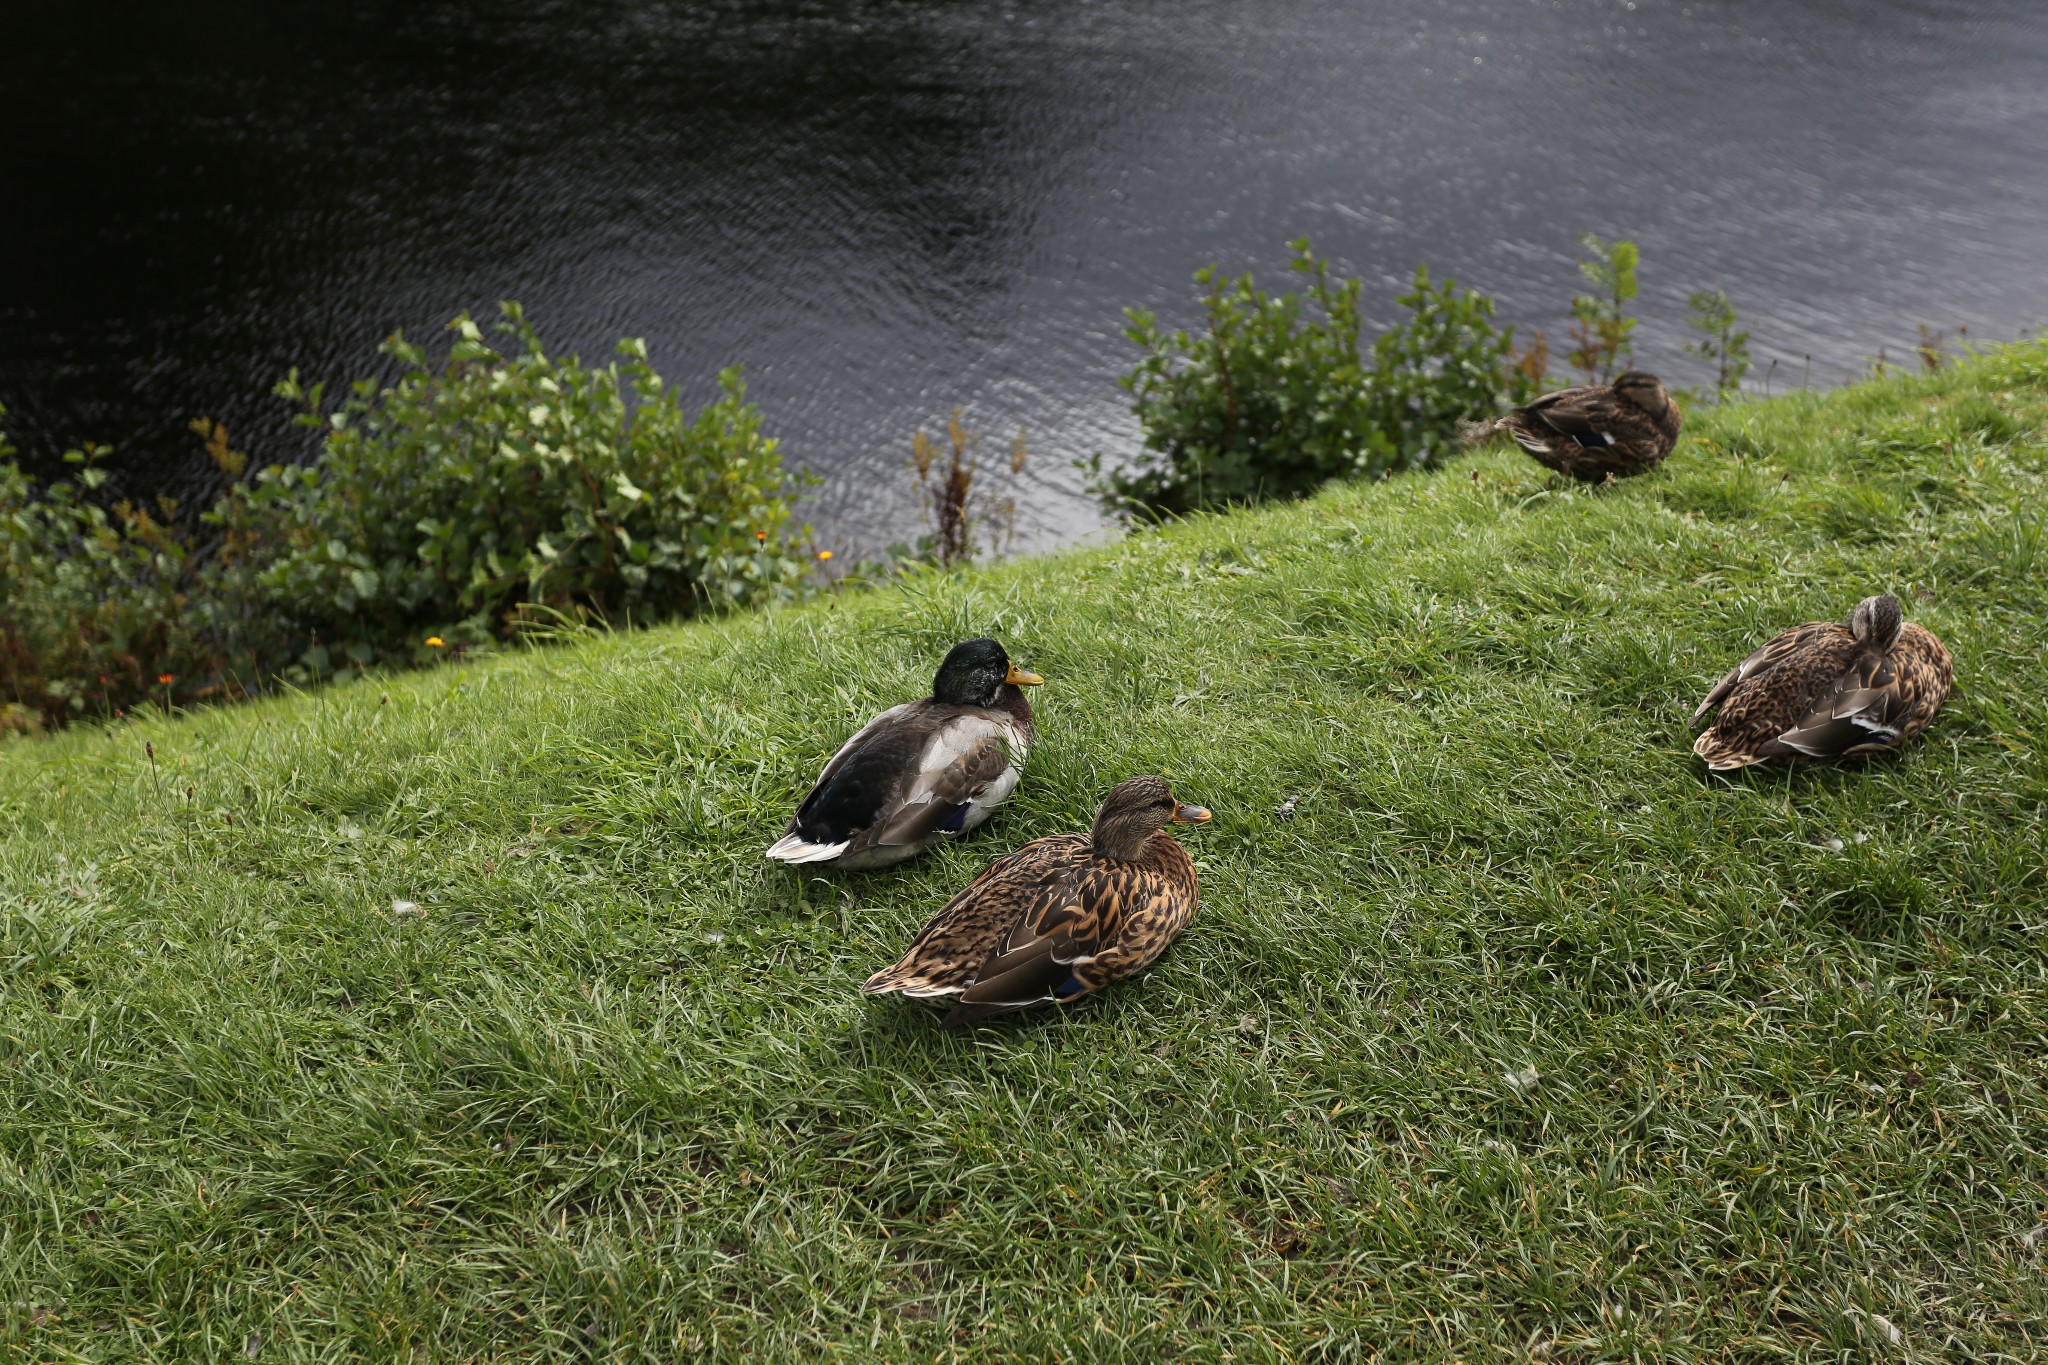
(922, 771)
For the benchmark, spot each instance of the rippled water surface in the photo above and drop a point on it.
(886, 209)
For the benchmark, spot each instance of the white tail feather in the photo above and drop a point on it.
(790, 849)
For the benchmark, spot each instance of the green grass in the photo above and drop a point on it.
(615, 1094)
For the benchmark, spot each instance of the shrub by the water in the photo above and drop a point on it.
(1277, 398)
(445, 503)
(442, 509)
(1603, 331)
(94, 607)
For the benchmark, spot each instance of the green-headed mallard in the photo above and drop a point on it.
(920, 771)
(1827, 690)
(1063, 916)
(1617, 429)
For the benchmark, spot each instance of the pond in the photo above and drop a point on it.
(886, 208)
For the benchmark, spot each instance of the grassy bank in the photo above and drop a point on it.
(613, 1094)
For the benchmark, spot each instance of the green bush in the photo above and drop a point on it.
(455, 506)
(1277, 398)
(95, 612)
(447, 503)
(1720, 343)
(1603, 331)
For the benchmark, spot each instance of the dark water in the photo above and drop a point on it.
(886, 209)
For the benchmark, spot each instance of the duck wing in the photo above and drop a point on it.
(1854, 717)
(960, 764)
(1775, 651)
(1586, 416)
(903, 777)
(1779, 691)
(1589, 433)
(886, 721)
(947, 954)
(1878, 703)
(1114, 919)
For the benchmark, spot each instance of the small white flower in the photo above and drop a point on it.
(408, 909)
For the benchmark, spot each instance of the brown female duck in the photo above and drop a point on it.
(1603, 430)
(1828, 690)
(1062, 917)
(921, 771)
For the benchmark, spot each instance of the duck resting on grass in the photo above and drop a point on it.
(1060, 918)
(920, 771)
(1599, 431)
(1828, 690)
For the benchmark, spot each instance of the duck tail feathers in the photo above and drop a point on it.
(1722, 756)
(912, 981)
(792, 848)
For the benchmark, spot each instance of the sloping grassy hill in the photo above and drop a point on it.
(613, 1093)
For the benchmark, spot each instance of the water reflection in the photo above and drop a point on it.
(885, 209)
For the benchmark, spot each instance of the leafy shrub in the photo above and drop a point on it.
(1445, 366)
(443, 510)
(1721, 344)
(1276, 398)
(94, 609)
(445, 504)
(1600, 322)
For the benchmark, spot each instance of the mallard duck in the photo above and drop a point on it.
(1825, 690)
(1063, 916)
(1590, 433)
(920, 771)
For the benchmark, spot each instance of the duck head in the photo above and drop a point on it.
(1877, 621)
(1136, 810)
(1643, 389)
(974, 672)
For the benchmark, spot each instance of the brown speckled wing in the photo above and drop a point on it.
(1769, 693)
(1878, 703)
(1036, 958)
(1851, 718)
(1812, 693)
(1589, 433)
(1122, 917)
(946, 955)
